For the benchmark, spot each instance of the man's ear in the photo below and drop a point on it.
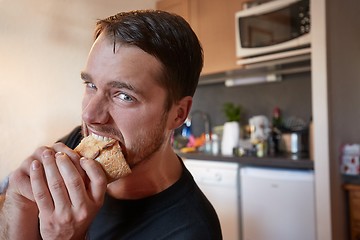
(181, 111)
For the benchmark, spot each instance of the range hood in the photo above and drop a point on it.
(260, 71)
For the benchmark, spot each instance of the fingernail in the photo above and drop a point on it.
(82, 160)
(47, 153)
(35, 165)
(58, 154)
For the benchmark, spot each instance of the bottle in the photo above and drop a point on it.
(215, 145)
(277, 119)
(276, 128)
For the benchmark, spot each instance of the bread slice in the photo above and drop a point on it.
(107, 152)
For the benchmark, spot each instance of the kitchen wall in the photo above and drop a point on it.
(292, 95)
(43, 47)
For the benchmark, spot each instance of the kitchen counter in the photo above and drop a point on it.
(351, 179)
(282, 161)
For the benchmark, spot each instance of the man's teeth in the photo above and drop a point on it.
(100, 138)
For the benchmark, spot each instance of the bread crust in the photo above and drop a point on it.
(107, 153)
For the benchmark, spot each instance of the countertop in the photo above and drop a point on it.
(351, 179)
(281, 161)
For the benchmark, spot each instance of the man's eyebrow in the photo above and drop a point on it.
(114, 84)
(85, 76)
(120, 84)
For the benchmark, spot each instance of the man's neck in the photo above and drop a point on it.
(148, 178)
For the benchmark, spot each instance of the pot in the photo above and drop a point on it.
(295, 142)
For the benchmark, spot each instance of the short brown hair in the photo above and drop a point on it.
(166, 36)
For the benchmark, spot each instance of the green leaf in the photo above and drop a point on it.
(232, 112)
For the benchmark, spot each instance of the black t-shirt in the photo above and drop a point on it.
(179, 212)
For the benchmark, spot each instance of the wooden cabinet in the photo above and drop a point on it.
(180, 7)
(354, 210)
(214, 23)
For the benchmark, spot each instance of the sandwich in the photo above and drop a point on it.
(107, 152)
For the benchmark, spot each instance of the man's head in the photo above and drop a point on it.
(140, 76)
(167, 37)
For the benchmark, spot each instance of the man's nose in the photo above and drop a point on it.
(95, 110)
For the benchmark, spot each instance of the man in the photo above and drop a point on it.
(140, 76)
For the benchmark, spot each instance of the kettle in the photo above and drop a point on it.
(259, 128)
(295, 142)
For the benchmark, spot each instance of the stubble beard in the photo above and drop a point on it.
(148, 143)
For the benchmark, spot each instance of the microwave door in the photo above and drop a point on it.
(265, 30)
(269, 32)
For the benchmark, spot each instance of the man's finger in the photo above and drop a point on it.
(39, 187)
(55, 182)
(97, 179)
(73, 181)
(75, 157)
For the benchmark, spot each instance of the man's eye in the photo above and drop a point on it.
(90, 85)
(125, 97)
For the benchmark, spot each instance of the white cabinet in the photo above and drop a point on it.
(258, 203)
(277, 204)
(219, 182)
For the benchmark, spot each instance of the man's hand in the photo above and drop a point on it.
(19, 210)
(67, 204)
(54, 187)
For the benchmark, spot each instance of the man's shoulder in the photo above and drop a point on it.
(73, 138)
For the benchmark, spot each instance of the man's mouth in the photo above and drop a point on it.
(102, 138)
(109, 139)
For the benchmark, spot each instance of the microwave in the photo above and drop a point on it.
(273, 29)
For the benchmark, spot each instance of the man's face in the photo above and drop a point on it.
(122, 99)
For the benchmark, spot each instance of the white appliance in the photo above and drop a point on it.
(277, 204)
(273, 30)
(219, 182)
